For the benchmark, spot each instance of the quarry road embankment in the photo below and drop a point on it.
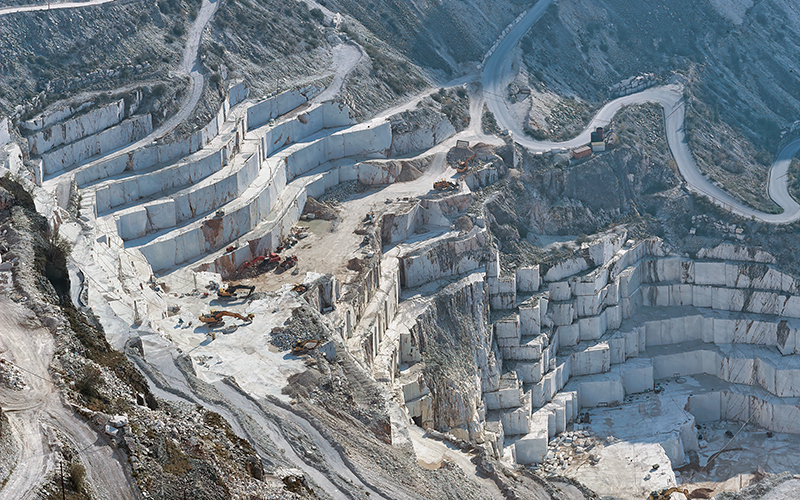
(51, 6)
(192, 67)
(37, 410)
(498, 71)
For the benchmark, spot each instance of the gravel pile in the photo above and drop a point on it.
(567, 449)
(342, 192)
(303, 325)
(11, 376)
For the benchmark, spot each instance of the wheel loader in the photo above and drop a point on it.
(445, 185)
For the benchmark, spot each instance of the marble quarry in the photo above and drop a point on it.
(592, 330)
(596, 329)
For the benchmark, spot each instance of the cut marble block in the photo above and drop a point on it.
(559, 291)
(507, 331)
(637, 375)
(528, 279)
(601, 389)
(590, 359)
(709, 273)
(532, 447)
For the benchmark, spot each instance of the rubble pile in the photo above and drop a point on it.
(570, 448)
(11, 376)
(302, 326)
(342, 191)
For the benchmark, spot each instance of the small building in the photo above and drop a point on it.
(598, 147)
(581, 152)
(600, 133)
(462, 144)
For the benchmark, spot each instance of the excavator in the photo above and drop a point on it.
(444, 185)
(272, 258)
(230, 292)
(463, 165)
(304, 346)
(666, 493)
(215, 317)
(288, 262)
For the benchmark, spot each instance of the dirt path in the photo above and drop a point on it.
(346, 57)
(497, 72)
(35, 411)
(51, 6)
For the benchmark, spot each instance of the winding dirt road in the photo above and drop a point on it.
(51, 6)
(35, 412)
(497, 73)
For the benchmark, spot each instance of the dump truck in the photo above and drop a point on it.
(216, 317)
(444, 185)
(230, 292)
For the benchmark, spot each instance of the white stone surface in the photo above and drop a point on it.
(569, 335)
(637, 376)
(559, 291)
(727, 251)
(507, 331)
(709, 273)
(528, 279)
(590, 359)
(76, 128)
(562, 312)
(532, 447)
(566, 269)
(530, 318)
(238, 93)
(5, 137)
(108, 140)
(272, 107)
(594, 327)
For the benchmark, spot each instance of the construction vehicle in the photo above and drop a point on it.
(666, 493)
(288, 262)
(215, 317)
(230, 292)
(272, 258)
(463, 165)
(304, 346)
(253, 262)
(444, 185)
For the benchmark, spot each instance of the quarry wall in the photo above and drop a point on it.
(112, 138)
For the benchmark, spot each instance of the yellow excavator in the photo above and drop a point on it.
(215, 317)
(666, 493)
(230, 292)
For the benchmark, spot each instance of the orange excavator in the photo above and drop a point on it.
(463, 165)
(215, 317)
(230, 292)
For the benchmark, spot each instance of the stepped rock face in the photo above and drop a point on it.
(455, 342)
